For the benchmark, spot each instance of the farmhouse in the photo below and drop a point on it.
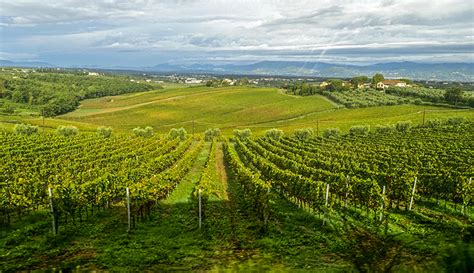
(192, 81)
(323, 84)
(391, 83)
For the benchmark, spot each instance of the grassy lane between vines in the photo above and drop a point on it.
(184, 189)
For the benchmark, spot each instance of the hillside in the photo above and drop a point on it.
(228, 108)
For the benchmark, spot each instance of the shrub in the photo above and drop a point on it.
(433, 123)
(143, 132)
(359, 130)
(274, 133)
(242, 134)
(383, 129)
(303, 134)
(67, 131)
(177, 133)
(331, 133)
(25, 129)
(211, 134)
(104, 131)
(403, 126)
(455, 121)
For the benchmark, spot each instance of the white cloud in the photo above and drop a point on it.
(360, 29)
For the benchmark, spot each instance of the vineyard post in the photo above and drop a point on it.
(347, 191)
(327, 194)
(463, 201)
(50, 193)
(200, 208)
(128, 209)
(412, 194)
(326, 208)
(383, 203)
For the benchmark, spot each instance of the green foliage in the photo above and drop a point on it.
(454, 95)
(331, 133)
(177, 133)
(337, 85)
(364, 98)
(359, 130)
(143, 132)
(8, 109)
(384, 129)
(304, 134)
(403, 126)
(302, 89)
(455, 121)
(60, 92)
(211, 134)
(433, 123)
(274, 133)
(359, 80)
(104, 131)
(67, 131)
(242, 134)
(377, 78)
(25, 129)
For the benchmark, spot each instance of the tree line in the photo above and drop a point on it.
(59, 93)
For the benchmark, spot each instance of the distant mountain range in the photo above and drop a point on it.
(411, 70)
(6, 63)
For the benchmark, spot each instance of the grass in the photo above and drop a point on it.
(228, 108)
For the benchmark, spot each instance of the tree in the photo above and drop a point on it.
(143, 132)
(67, 131)
(274, 133)
(454, 95)
(104, 131)
(211, 134)
(377, 78)
(242, 134)
(303, 134)
(337, 85)
(331, 133)
(177, 133)
(359, 80)
(25, 129)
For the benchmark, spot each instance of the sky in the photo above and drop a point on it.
(137, 33)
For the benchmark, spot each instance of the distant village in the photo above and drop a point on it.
(359, 83)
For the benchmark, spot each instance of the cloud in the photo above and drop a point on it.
(193, 29)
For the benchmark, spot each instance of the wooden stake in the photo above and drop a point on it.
(50, 192)
(462, 208)
(383, 203)
(128, 210)
(347, 191)
(200, 209)
(412, 194)
(326, 210)
(327, 194)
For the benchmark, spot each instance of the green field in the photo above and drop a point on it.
(229, 108)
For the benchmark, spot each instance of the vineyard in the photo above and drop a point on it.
(375, 172)
(416, 182)
(89, 173)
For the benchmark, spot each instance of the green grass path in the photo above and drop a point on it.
(183, 191)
